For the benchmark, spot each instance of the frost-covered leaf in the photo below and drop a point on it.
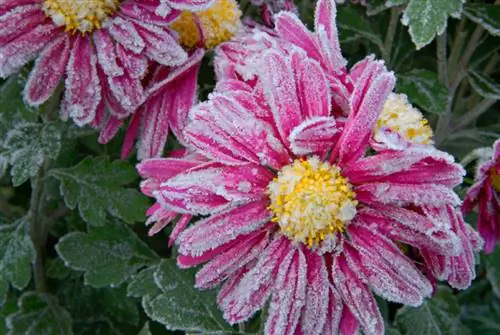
(437, 316)
(424, 90)
(353, 25)
(143, 283)
(145, 329)
(39, 314)
(486, 15)
(493, 270)
(108, 255)
(99, 311)
(16, 256)
(27, 146)
(56, 269)
(428, 18)
(97, 186)
(177, 304)
(484, 86)
(7, 308)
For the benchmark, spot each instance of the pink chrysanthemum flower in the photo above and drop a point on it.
(102, 48)
(485, 194)
(297, 213)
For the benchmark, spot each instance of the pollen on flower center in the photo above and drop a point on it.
(79, 15)
(401, 117)
(211, 27)
(311, 200)
(495, 179)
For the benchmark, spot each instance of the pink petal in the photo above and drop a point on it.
(164, 168)
(314, 136)
(225, 131)
(146, 13)
(18, 52)
(317, 303)
(313, 91)
(47, 72)
(154, 130)
(222, 228)
(131, 134)
(357, 297)
(291, 29)
(335, 307)
(249, 294)
(136, 65)
(360, 124)
(110, 129)
(289, 294)
(180, 226)
(326, 29)
(161, 46)
(213, 187)
(348, 323)
(406, 194)
(281, 92)
(387, 271)
(125, 33)
(82, 88)
(7, 5)
(234, 258)
(106, 53)
(191, 5)
(20, 20)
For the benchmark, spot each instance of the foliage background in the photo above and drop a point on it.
(75, 257)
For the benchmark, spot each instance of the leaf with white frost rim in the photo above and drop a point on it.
(41, 314)
(486, 15)
(98, 186)
(108, 255)
(428, 18)
(484, 86)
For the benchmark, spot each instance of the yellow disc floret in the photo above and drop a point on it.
(311, 200)
(81, 16)
(401, 117)
(212, 26)
(495, 179)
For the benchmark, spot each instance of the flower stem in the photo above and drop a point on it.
(441, 58)
(389, 36)
(37, 229)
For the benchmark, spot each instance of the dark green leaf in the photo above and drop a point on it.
(56, 269)
(109, 255)
(373, 7)
(493, 270)
(486, 15)
(16, 256)
(424, 90)
(484, 86)
(39, 314)
(178, 305)
(437, 316)
(97, 186)
(428, 18)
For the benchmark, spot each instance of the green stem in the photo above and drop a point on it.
(37, 229)
(456, 48)
(389, 36)
(441, 58)
(479, 110)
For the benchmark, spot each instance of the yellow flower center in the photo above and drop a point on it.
(213, 26)
(79, 15)
(401, 117)
(311, 201)
(495, 179)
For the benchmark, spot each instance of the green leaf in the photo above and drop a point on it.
(56, 269)
(16, 256)
(424, 89)
(484, 86)
(97, 186)
(39, 314)
(8, 307)
(145, 330)
(437, 316)
(178, 305)
(108, 255)
(28, 145)
(493, 270)
(428, 18)
(374, 7)
(143, 284)
(99, 311)
(353, 25)
(486, 15)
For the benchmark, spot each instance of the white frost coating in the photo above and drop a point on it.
(125, 33)
(313, 136)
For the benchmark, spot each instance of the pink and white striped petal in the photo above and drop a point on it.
(314, 136)
(107, 53)
(48, 70)
(19, 21)
(160, 45)
(82, 92)
(191, 5)
(224, 227)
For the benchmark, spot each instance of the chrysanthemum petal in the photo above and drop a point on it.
(19, 21)
(316, 135)
(125, 33)
(161, 46)
(48, 71)
(106, 53)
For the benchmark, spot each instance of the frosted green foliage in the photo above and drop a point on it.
(486, 15)
(98, 186)
(484, 86)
